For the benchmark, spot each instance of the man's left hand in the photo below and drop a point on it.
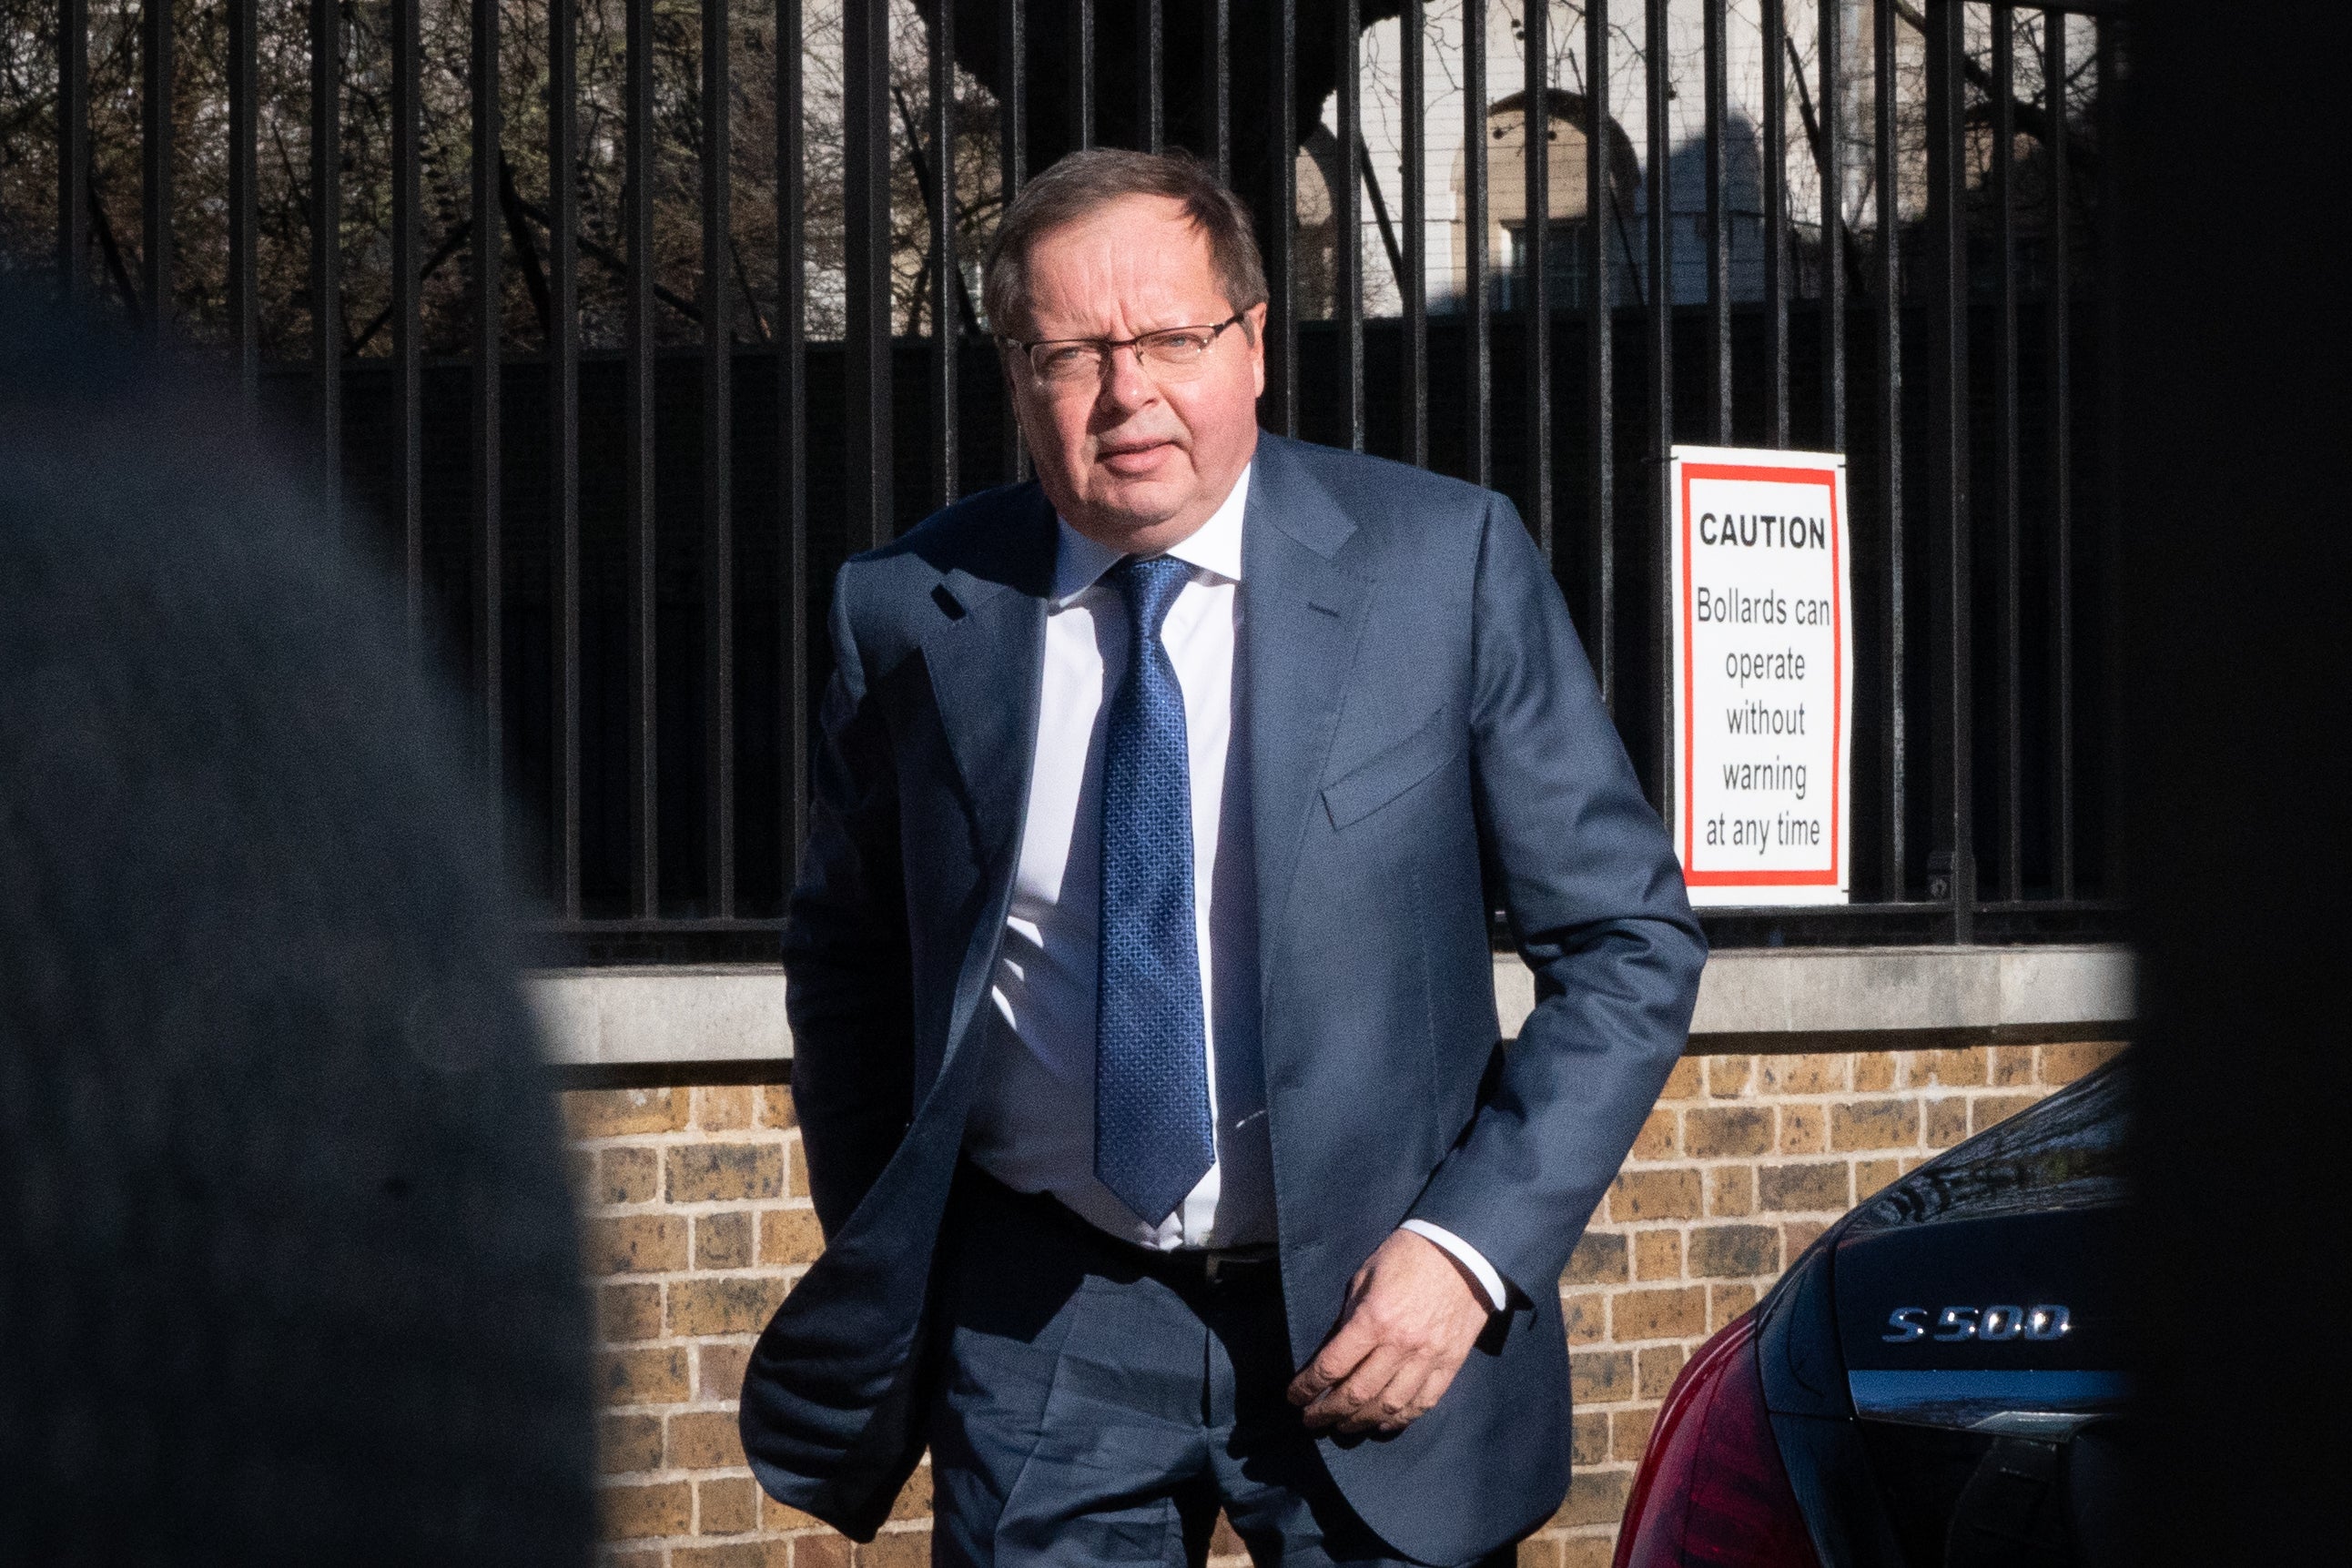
(1411, 1316)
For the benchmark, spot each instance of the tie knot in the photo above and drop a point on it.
(1151, 584)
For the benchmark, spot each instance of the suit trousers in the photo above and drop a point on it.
(1100, 1403)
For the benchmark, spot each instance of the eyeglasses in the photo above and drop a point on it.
(1175, 354)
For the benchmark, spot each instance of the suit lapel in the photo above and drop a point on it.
(985, 655)
(1304, 617)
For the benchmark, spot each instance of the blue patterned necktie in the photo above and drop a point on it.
(1153, 1137)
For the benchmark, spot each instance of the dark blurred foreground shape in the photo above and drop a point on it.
(2233, 471)
(286, 1259)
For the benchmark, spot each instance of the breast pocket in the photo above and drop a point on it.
(1375, 782)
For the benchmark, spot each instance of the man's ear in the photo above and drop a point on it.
(1256, 318)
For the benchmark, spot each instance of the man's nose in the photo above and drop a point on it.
(1125, 385)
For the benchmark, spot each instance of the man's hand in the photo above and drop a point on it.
(1411, 1316)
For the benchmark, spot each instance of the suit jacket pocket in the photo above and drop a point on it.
(1381, 779)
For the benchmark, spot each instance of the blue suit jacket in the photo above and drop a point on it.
(1420, 712)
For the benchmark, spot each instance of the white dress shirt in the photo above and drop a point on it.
(1033, 1126)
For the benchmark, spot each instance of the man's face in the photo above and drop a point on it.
(1134, 460)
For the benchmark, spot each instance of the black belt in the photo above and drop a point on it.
(1179, 1267)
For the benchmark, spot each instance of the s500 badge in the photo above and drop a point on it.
(1997, 1323)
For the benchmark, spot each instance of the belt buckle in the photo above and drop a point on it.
(1210, 1265)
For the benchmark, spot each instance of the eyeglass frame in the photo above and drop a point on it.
(1111, 345)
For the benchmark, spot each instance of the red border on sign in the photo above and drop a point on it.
(1827, 479)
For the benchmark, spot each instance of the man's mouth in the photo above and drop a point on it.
(1133, 457)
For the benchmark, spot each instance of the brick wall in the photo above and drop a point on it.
(699, 1220)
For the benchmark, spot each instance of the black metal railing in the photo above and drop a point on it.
(717, 327)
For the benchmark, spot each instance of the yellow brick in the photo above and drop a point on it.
(798, 1186)
(1600, 1376)
(636, 1244)
(1586, 1319)
(1669, 1313)
(1637, 1195)
(625, 1443)
(718, 1370)
(634, 1512)
(616, 1113)
(1813, 1187)
(1657, 1140)
(776, 1106)
(1871, 1177)
(790, 1238)
(1948, 1121)
(1658, 1255)
(735, 1555)
(1734, 1251)
(630, 1311)
(1958, 1069)
(1728, 1077)
(1822, 1073)
(704, 1441)
(2012, 1066)
(1874, 1125)
(1587, 1550)
(1596, 1496)
(1728, 1132)
(1683, 1082)
(1655, 1369)
(774, 1515)
(723, 1108)
(1539, 1551)
(729, 1506)
(896, 1549)
(1874, 1071)
(1804, 1130)
(1629, 1431)
(1726, 1302)
(724, 1172)
(1731, 1190)
(1799, 1234)
(725, 1305)
(642, 1376)
(2064, 1063)
(826, 1551)
(723, 1240)
(914, 1500)
(1988, 1109)
(1588, 1438)
(628, 1175)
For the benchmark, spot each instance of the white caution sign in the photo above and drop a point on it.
(1763, 699)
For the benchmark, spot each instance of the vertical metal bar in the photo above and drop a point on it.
(1082, 43)
(866, 37)
(1348, 218)
(407, 335)
(1832, 164)
(1222, 48)
(1772, 189)
(718, 463)
(1281, 401)
(1534, 250)
(1474, 242)
(1658, 248)
(244, 196)
(1599, 365)
(487, 245)
(947, 331)
(1948, 454)
(155, 150)
(326, 240)
(1890, 437)
(1014, 130)
(638, 164)
(2107, 317)
(2057, 292)
(563, 433)
(1155, 101)
(2004, 436)
(73, 147)
(1412, 29)
(792, 410)
(1719, 225)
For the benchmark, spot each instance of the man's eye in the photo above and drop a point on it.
(1067, 356)
(1179, 343)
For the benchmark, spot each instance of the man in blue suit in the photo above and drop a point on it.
(1145, 1043)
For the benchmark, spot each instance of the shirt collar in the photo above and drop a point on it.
(1215, 547)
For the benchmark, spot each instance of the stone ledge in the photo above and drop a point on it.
(614, 1026)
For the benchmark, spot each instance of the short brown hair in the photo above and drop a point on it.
(1084, 182)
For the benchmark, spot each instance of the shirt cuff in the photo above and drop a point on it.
(1498, 1298)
